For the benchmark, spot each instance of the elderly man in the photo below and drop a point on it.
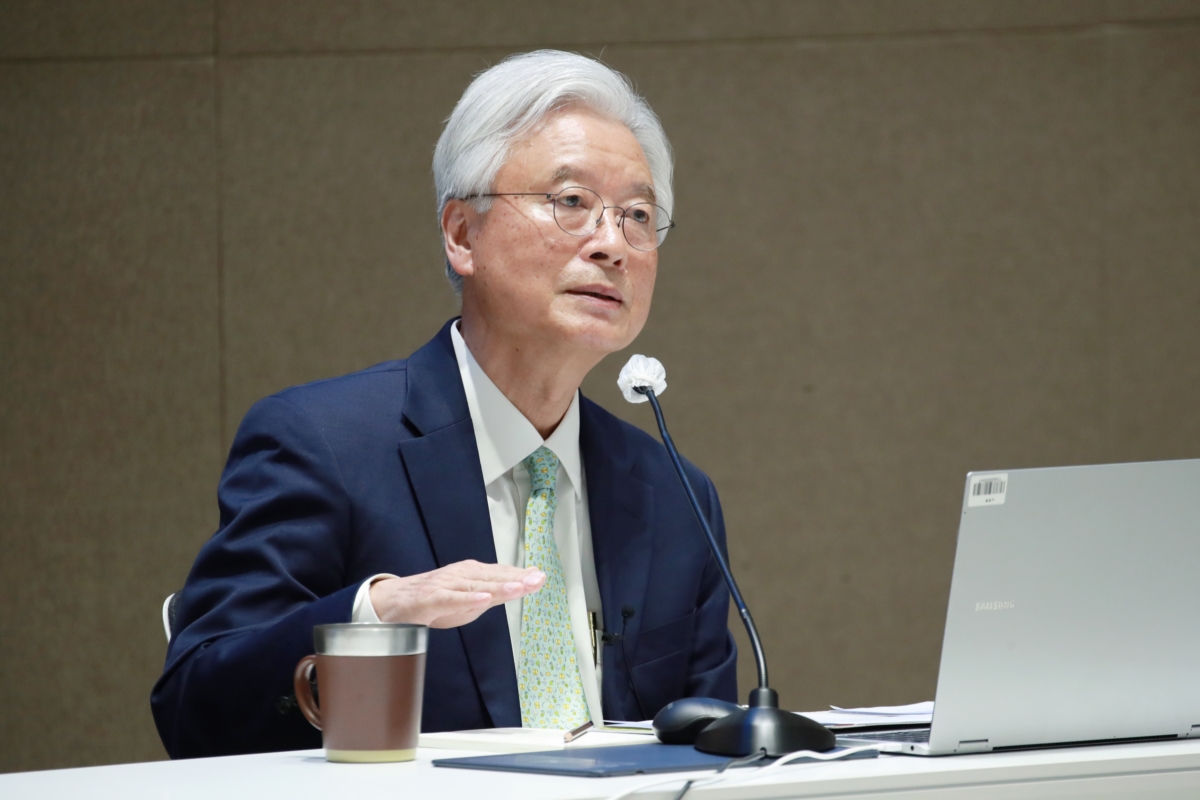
(404, 492)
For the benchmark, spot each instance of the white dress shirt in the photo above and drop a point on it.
(504, 438)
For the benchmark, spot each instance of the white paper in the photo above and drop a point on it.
(913, 714)
(523, 740)
(616, 725)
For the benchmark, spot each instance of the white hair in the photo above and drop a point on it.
(506, 102)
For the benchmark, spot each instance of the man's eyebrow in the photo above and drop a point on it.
(568, 173)
(563, 173)
(647, 191)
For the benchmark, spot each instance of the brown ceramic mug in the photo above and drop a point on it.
(371, 678)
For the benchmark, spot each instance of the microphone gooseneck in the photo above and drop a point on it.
(760, 658)
(763, 725)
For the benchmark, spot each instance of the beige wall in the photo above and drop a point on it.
(916, 237)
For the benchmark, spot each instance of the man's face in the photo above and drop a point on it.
(526, 277)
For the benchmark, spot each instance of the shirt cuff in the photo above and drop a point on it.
(363, 610)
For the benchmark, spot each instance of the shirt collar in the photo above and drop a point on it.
(503, 436)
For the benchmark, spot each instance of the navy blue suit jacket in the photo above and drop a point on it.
(377, 471)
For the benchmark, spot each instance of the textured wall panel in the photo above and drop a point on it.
(1153, 9)
(109, 441)
(886, 273)
(1153, 244)
(258, 26)
(332, 256)
(88, 29)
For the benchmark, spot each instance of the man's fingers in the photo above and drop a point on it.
(511, 589)
(491, 573)
(453, 595)
(503, 592)
(452, 600)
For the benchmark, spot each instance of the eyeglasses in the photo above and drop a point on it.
(579, 211)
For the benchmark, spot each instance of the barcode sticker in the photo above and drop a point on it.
(987, 490)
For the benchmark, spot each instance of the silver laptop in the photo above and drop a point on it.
(1074, 612)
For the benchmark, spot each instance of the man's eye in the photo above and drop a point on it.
(570, 200)
(639, 215)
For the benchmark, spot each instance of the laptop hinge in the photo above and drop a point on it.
(973, 746)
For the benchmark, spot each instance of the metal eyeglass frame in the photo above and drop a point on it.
(660, 235)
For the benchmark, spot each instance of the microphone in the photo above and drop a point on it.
(763, 725)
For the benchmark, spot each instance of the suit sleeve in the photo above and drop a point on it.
(274, 569)
(713, 669)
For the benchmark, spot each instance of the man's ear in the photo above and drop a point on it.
(458, 220)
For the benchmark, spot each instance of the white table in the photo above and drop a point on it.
(1158, 770)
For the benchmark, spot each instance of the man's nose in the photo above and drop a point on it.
(607, 243)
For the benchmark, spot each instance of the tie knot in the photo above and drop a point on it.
(543, 468)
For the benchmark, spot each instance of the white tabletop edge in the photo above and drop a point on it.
(305, 774)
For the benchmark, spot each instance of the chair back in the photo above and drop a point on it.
(168, 614)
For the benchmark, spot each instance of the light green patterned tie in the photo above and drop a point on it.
(548, 678)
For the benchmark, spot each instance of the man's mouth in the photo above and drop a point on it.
(598, 292)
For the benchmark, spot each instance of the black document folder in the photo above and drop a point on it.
(603, 762)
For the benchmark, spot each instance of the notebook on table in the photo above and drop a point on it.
(604, 762)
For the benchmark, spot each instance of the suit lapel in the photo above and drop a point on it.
(442, 462)
(620, 506)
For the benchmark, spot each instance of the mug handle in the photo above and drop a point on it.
(304, 697)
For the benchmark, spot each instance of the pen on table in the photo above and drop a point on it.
(593, 630)
(571, 736)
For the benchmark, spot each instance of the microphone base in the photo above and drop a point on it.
(764, 726)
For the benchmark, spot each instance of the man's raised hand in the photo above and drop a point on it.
(453, 595)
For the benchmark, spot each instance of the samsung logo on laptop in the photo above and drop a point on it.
(995, 605)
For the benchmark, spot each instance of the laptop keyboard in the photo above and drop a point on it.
(918, 736)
